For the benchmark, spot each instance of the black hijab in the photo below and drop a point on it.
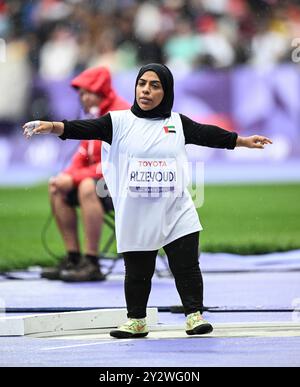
(163, 110)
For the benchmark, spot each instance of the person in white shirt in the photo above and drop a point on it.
(147, 180)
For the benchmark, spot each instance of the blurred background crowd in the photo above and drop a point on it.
(55, 39)
(126, 33)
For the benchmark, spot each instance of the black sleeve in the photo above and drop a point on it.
(98, 129)
(207, 135)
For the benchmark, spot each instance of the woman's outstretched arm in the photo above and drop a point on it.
(215, 137)
(97, 129)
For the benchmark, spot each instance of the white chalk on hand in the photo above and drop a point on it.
(30, 126)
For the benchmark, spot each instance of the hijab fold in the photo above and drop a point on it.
(163, 110)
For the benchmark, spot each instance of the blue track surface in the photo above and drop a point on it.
(260, 289)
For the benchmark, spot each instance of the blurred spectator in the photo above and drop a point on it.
(184, 46)
(14, 71)
(144, 29)
(4, 21)
(59, 55)
(216, 44)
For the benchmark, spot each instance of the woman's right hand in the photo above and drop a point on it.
(43, 127)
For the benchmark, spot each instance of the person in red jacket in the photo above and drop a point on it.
(76, 185)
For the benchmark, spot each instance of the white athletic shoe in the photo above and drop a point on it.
(133, 328)
(196, 325)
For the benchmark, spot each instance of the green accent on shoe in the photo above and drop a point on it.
(133, 328)
(196, 325)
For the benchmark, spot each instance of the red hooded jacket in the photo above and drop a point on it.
(86, 162)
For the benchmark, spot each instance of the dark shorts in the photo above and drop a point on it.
(72, 199)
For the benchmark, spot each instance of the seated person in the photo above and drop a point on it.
(76, 186)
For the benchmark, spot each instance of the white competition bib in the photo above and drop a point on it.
(152, 176)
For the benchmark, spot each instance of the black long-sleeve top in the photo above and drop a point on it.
(194, 133)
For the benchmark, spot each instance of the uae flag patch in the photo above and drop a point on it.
(169, 129)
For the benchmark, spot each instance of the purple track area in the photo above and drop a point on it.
(267, 285)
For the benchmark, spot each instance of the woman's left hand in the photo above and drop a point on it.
(253, 141)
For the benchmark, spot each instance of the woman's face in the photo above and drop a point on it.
(149, 91)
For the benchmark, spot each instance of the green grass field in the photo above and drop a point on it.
(244, 219)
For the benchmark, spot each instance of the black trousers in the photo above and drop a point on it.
(183, 262)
